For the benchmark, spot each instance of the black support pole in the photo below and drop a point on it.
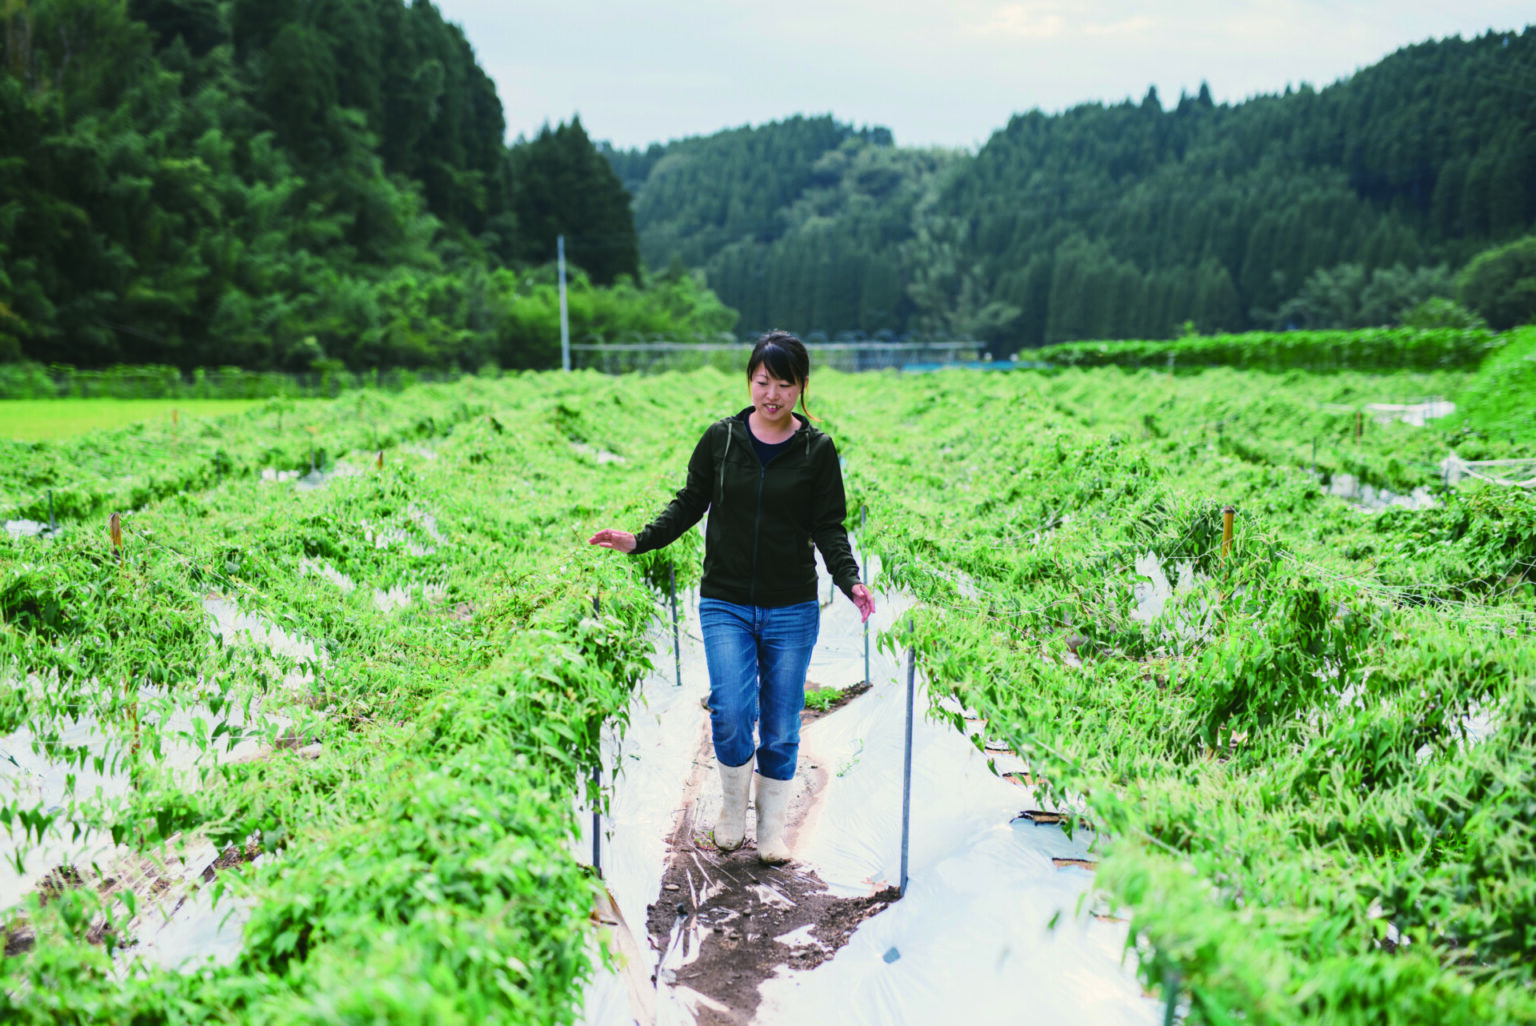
(906, 772)
(596, 791)
(864, 576)
(677, 647)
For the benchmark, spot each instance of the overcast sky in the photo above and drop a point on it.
(935, 73)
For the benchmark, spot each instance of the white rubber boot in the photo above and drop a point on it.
(772, 809)
(731, 827)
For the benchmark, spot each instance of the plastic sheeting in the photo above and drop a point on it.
(202, 930)
(972, 937)
(184, 926)
(654, 758)
(1413, 414)
(32, 772)
(1369, 497)
(27, 529)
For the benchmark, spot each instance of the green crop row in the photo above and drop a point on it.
(92, 474)
(418, 870)
(1381, 350)
(1312, 773)
(25, 380)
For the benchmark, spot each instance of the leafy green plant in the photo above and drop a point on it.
(822, 699)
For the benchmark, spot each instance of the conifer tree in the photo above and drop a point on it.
(565, 187)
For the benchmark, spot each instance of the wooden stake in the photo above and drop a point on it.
(115, 531)
(1226, 530)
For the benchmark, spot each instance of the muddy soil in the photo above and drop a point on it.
(725, 922)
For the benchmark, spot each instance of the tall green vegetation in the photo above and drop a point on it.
(1310, 774)
(279, 184)
(1501, 283)
(423, 871)
(1347, 206)
(565, 182)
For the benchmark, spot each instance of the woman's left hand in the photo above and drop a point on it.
(864, 599)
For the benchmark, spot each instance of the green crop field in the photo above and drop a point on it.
(37, 420)
(1309, 752)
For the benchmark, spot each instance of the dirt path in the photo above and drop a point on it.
(724, 922)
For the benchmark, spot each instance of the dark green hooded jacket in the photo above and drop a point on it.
(763, 521)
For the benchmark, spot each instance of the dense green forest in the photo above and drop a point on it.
(294, 185)
(323, 184)
(1354, 205)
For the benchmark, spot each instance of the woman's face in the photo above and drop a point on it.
(774, 398)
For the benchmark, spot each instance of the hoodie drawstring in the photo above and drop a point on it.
(729, 433)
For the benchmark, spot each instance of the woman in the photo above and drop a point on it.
(772, 485)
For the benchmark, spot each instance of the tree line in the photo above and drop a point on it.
(293, 185)
(1362, 203)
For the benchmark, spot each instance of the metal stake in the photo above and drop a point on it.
(597, 823)
(906, 772)
(565, 324)
(1171, 998)
(677, 647)
(53, 525)
(864, 576)
(597, 783)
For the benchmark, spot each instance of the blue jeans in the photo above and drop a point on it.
(757, 660)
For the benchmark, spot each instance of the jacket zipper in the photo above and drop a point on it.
(757, 514)
(757, 520)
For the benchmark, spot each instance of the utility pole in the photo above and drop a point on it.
(565, 324)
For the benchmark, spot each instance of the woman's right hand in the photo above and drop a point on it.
(618, 541)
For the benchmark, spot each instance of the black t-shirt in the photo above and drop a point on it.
(766, 451)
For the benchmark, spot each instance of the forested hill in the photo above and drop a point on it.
(285, 184)
(1339, 206)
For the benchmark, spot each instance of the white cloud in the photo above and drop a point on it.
(1020, 21)
(1045, 21)
(1136, 26)
(944, 72)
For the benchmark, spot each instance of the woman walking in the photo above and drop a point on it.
(773, 486)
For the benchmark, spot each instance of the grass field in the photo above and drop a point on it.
(36, 420)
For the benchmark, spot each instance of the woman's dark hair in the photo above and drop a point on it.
(783, 355)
